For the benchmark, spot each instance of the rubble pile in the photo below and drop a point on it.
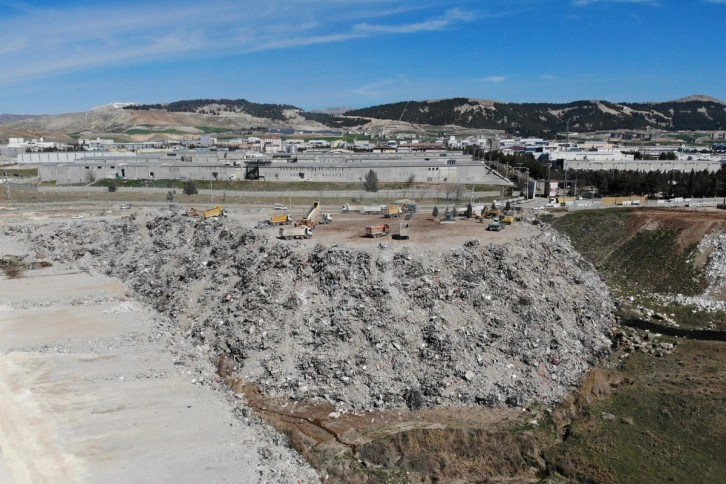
(713, 298)
(489, 324)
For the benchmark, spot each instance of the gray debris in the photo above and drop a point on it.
(481, 323)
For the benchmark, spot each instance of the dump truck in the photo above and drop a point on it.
(371, 209)
(310, 218)
(378, 230)
(301, 232)
(326, 218)
(351, 207)
(282, 219)
(391, 211)
(214, 212)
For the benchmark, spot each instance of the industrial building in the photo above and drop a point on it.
(448, 167)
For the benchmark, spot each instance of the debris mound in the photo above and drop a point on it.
(487, 324)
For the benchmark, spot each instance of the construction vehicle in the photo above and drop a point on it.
(496, 226)
(326, 218)
(372, 210)
(310, 219)
(282, 219)
(391, 211)
(403, 230)
(351, 207)
(492, 213)
(300, 232)
(192, 212)
(508, 220)
(214, 212)
(378, 230)
(408, 208)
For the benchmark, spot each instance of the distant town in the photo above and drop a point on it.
(447, 159)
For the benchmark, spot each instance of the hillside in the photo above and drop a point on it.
(229, 118)
(692, 113)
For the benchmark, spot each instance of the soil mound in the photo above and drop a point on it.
(361, 328)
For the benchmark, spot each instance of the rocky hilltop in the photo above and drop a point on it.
(363, 328)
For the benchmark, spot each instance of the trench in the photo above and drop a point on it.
(697, 334)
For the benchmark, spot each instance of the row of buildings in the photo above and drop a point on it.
(275, 158)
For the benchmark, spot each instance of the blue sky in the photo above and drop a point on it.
(69, 56)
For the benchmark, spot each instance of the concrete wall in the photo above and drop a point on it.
(640, 165)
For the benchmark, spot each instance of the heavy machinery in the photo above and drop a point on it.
(492, 213)
(192, 212)
(299, 232)
(378, 230)
(372, 209)
(326, 218)
(214, 212)
(508, 220)
(403, 230)
(495, 226)
(310, 219)
(408, 208)
(351, 207)
(391, 211)
(282, 219)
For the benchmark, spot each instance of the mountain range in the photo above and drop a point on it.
(230, 118)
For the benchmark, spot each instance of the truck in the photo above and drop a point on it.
(391, 211)
(378, 230)
(282, 219)
(351, 207)
(301, 232)
(310, 218)
(192, 212)
(326, 218)
(371, 210)
(214, 212)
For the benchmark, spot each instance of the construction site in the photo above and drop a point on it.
(353, 343)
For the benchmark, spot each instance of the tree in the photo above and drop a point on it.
(469, 210)
(435, 213)
(508, 206)
(190, 188)
(371, 182)
(170, 195)
(90, 177)
(112, 186)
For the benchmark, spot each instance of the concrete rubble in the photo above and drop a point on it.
(361, 328)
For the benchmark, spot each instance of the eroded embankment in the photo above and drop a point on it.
(378, 328)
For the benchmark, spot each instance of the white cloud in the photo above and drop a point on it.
(381, 88)
(494, 79)
(39, 42)
(451, 17)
